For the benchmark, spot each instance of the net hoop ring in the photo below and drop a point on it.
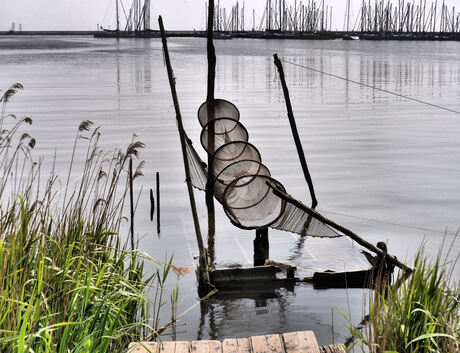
(219, 104)
(233, 218)
(237, 125)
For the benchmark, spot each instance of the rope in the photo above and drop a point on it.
(392, 223)
(398, 95)
(374, 88)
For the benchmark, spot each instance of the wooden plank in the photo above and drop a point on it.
(182, 347)
(244, 345)
(167, 347)
(307, 340)
(300, 342)
(332, 349)
(267, 344)
(230, 346)
(144, 347)
(240, 345)
(206, 347)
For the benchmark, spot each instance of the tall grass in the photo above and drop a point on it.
(420, 315)
(67, 282)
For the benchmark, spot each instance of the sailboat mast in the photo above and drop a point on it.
(118, 17)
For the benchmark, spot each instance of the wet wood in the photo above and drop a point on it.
(292, 342)
(261, 247)
(152, 205)
(295, 133)
(172, 83)
(258, 273)
(211, 56)
(349, 279)
(158, 201)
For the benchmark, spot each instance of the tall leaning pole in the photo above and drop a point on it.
(203, 269)
(211, 54)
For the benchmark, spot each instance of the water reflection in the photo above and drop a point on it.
(371, 155)
(251, 306)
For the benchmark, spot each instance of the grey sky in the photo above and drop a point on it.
(177, 14)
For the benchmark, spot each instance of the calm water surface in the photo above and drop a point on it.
(386, 167)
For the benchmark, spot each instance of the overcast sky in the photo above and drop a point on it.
(177, 14)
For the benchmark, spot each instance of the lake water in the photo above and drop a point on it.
(384, 166)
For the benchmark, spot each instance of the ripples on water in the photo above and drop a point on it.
(371, 155)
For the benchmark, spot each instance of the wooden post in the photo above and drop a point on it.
(203, 257)
(340, 228)
(295, 134)
(210, 115)
(131, 201)
(158, 202)
(152, 205)
(261, 247)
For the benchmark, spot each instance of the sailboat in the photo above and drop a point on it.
(136, 24)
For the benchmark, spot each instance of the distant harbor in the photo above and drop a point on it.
(320, 35)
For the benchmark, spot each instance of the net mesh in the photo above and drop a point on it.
(242, 181)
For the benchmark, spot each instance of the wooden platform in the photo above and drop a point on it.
(292, 342)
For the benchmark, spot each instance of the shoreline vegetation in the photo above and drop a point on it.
(67, 281)
(419, 313)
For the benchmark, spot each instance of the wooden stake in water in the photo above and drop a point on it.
(211, 53)
(196, 223)
(295, 134)
(152, 205)
(131, 201)
(158, 202)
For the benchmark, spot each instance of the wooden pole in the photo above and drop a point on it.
(338, 227)
(261, 247)
(210, 114)
(158, 202)
(172, 84)
(152, 205)
(131, 201)
(295, 134)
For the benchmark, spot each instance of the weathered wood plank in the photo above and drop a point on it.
(182, 347)
(300, 342)
(244, 345)
(144, 347)
(230, 346)
(267, 344)
(240, 345)
(293, 342)
(167, 347)
(332, 349)
(206, 347)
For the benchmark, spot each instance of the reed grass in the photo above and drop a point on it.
(67, 281)
(419, 314)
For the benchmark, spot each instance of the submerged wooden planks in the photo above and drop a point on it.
(292, 342)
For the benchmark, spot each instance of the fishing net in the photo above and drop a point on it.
(242, 183)
(224, 130)
(218, 108)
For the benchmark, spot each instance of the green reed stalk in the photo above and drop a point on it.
(67, 283)
(421, 315)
